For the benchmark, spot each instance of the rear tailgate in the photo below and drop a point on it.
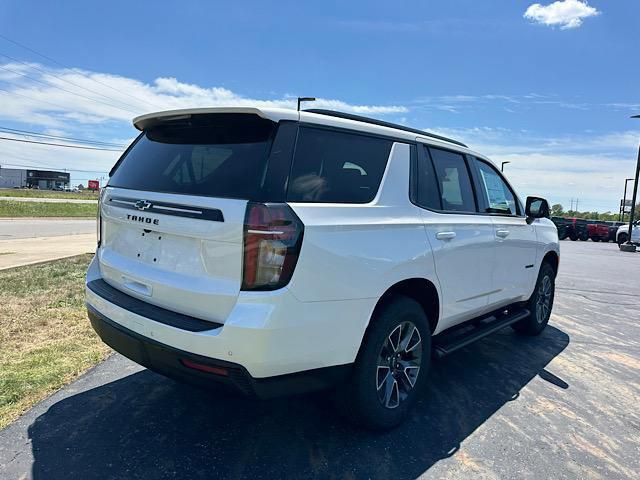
(167, 256)
(174, 210)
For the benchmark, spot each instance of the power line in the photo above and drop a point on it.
(69, 68)
(59, 144)
(61, 78)
(39, 164)
(68, 91)
(58, 106)
(57, 137)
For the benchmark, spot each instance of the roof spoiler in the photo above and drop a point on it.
(145, 121)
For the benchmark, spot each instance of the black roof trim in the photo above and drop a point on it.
(382, 123)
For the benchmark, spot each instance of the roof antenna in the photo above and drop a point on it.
(305, 99)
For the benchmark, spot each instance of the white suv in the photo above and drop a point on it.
(278, 252)
(622, 235)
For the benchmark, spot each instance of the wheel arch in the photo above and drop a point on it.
(553, 259)
(421, 290)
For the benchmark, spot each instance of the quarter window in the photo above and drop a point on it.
(454, 183)
(340, 167)
(500, 199)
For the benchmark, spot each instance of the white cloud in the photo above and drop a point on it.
(54, 98)
(100, 106)
(564, 13)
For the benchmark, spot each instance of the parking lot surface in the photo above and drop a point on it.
(561, 405)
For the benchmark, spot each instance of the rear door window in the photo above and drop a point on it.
(335, 166)
(427, 191)
(454, 183)
(211, 155)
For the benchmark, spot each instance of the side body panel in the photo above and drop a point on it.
(353, 251)
(464, 253)
(516, 258)
(547, 240)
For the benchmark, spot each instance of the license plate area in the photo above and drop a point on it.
(179, 254)
(148, 247)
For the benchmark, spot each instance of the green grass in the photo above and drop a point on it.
(46, 340)
(14, 192)
(10, 208)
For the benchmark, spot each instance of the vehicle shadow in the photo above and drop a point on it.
(146, 426)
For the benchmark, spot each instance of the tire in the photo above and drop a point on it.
(595, 239)
(540, 303)
(573, 236)
(379, 396)
(622, 238)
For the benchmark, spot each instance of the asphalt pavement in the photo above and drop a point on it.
(561, 405)
(47, 200)
(44, 227)
(25, 241)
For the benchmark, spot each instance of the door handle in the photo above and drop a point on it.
(445, 235)
(502, 233)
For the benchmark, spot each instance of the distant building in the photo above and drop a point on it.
(43, 179)
(13, 177)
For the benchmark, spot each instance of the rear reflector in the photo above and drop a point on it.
(205, 368)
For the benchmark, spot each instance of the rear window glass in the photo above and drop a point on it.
(331, 166)
(213, 155)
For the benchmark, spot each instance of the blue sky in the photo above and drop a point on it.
(550, 91)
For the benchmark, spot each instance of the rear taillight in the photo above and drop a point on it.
(99, 217)
(272, 241)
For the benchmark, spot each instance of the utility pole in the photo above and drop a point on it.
(624, 199)
(630, 247)
(577, 204)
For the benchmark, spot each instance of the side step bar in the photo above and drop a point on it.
(450, 345)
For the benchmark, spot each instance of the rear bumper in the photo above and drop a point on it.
(269, 334)
(168, 361)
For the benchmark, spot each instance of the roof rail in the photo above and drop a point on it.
(382, 123)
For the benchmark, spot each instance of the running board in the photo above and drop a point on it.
(447, 346)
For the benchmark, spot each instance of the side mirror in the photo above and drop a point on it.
(536, 207)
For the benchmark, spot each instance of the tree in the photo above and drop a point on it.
(557, 210)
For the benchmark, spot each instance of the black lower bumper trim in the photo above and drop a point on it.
(147, 310)
(165, 360)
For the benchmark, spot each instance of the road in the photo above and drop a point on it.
(47, 200)
(25, 241)
(44, 227)
(561, 405)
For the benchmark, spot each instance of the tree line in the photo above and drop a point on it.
(557, 210)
